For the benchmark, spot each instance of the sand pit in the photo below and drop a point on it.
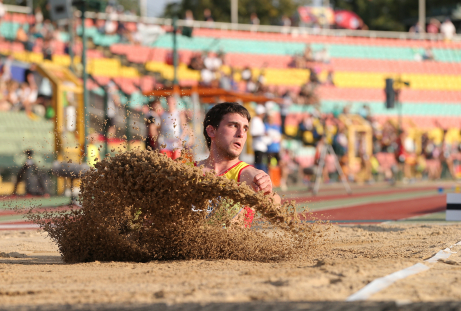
(119, 248)
(142, 206)
(358, 255)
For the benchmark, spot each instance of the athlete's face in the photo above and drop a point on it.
(230, 136)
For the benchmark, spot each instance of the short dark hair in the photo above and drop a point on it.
(215, 115)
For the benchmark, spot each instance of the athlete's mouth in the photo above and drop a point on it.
(238, 145)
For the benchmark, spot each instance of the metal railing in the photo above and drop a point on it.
(289, 31)
(17, 8)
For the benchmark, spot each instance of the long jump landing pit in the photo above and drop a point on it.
(32, 275)
(288, 262)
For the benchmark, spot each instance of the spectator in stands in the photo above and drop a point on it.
(29, 76)
(428, 54)
(260, 141)
(6, 68)
(188, 27)
(433, 26)
(254, 20)
(322, 56)
(227, 81)
(189, 18)
(153, 122)
(432, 155)
(365, 111)
(113, 102)
(12, 94)
(21, 36)
(286, 24)
(207, 77)
(4, 104)
(212, 62)
(448, 29)
(30, 43)
(313, 75)
(111, 25)
(27, 97)
(207, 17)
(286, 21)
(416, 28)
(308, 54)
(274, 133)
(172, 130)
(246, 74)
(251, 86)
(47, 49)
(38, 15)
(196, 62)
(330, 79)
(47, 29)
(2, 10)
(307, 92)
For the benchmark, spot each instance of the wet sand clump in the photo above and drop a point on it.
(142, 206)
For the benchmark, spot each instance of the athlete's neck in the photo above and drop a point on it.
(218, 163)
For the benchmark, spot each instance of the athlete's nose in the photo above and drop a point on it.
(240, 132)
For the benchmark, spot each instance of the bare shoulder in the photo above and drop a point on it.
(201, 165)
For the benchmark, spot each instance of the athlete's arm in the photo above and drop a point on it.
(259, 181)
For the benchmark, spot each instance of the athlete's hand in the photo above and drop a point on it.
(262, 182)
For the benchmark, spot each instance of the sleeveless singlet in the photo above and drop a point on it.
(233, 173)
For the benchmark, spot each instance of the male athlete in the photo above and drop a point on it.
(225, 129)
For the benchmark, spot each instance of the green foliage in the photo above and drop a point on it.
(394, 15)
(130, 5)
(390, 15)
(269, 12)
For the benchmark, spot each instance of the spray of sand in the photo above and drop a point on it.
(137, 206)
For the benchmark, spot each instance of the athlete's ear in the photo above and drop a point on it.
(211, 131)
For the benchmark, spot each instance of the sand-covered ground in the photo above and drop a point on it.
(32, 273)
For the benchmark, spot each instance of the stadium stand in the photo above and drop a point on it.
(342, 75)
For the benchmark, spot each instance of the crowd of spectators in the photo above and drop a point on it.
(396, 153)
(447, 29)
(215, 72)
(32, 95)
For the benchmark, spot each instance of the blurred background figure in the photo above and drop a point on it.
(448, 29)
(34, 179)
(260, 140)
(113, 105)
(153, 123)
(173, 129)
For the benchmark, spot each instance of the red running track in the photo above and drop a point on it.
(343, 195)
(385, 211)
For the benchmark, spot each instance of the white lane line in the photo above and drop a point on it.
(381, 283)
(19, 226)
(443, 254)
(384, 282)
